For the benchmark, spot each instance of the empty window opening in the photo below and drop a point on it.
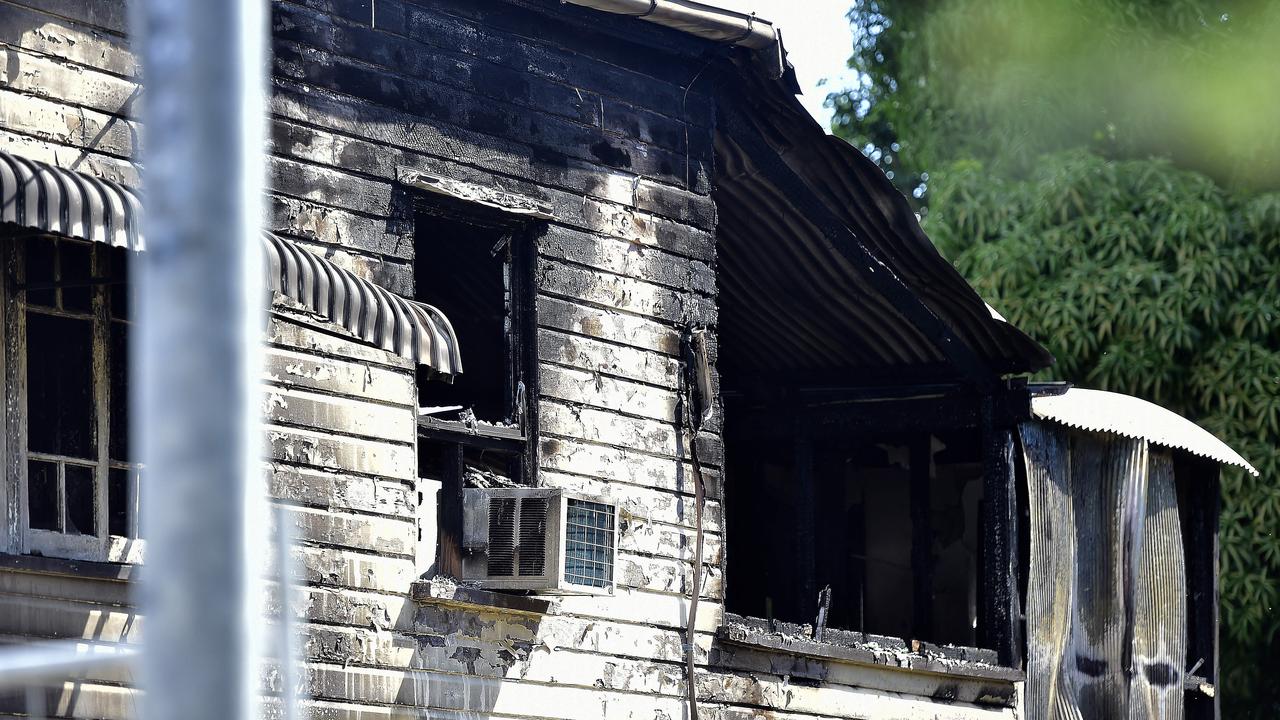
(869, 498)
(473, 431)
(465, 269)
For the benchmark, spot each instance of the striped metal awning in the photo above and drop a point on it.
(63, 202)
(38, 195)
(412, 329)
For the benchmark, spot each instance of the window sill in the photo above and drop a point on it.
(844, 646)
(483, 434)
(446, 591)
(87, 569)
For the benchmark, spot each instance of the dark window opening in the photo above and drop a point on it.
(61, 413)
(42, 496)
(119, 496)
(473, 430)
(464, 269)
(81, 504)
(849, 513)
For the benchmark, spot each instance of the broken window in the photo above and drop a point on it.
(874, 514)
(66, 330)
(887, 520)
(474, 430)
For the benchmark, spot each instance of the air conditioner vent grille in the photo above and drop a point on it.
(533, 536)
(589, 535)
(502, 537)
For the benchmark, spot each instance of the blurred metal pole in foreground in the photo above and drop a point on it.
(197, 366)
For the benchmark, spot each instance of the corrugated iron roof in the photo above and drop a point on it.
(789, 300)
(1101, 411)
(48, 198)
(708, 20)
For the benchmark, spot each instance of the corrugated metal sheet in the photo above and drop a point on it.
(1106, 590)
(411, 329)
(1133, 417)
(38, 195)
(1052, 567)
(1160, 618)
(791, 301)
(48, 198)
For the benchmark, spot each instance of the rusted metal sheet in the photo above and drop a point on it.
(1106, 598)
(1133, 417)
(39, 195)
(1160, 617)
(1050, 582)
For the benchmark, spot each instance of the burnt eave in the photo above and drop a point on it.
(823, 263)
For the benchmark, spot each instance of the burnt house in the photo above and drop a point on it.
(601, 383)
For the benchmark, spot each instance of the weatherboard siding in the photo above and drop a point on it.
(538, 100)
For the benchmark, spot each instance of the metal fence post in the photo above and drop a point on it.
(197, 368)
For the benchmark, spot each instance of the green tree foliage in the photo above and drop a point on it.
(1105, 173)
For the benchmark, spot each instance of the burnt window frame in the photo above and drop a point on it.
(104, 279)
(516, 436)
(925, 408)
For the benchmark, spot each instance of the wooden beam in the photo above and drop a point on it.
(806, 536)
(1000, 625)
(1201, 505)
(921, 538)
(449, 554)
(904, 414)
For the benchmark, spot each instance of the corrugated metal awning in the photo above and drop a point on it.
(39, 195)
(63, 202)
(412, 329)
(1101, 411)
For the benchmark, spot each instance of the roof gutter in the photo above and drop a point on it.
(704, 21)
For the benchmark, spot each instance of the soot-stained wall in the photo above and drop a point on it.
(590, 114)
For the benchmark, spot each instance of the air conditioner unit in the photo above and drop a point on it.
(542, 539)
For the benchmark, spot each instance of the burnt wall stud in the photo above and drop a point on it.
(1000, 622)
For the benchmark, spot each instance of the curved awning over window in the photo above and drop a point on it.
(1101, 411)
(38, 195)
(411, 329)
(48, 198)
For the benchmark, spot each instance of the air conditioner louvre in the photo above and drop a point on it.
(533, 536)
(502, 537)
(589, 543)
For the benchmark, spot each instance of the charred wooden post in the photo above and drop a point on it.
(1202, 503)
(806, 523)
(921, 538)
(1000, 625)
(449, 560)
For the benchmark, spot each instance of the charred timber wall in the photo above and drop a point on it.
(553, 103)
(69, 96)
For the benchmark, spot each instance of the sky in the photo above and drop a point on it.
(818, 42)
